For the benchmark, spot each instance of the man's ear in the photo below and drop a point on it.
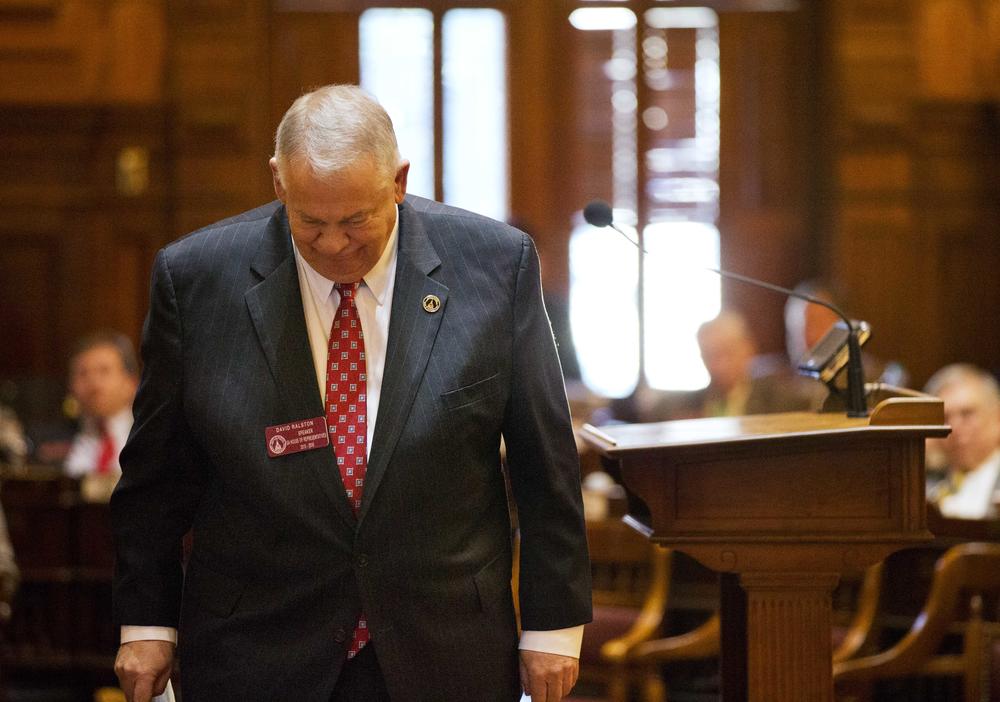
(279, 188)
(400, 181)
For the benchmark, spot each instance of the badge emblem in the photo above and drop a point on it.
(277, 444)
(432, 303)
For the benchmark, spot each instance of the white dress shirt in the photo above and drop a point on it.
(320, 300)
(85, 451)
(975, 496)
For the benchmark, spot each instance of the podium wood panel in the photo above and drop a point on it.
(781, 505)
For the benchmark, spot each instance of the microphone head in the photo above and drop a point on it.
(598, 213)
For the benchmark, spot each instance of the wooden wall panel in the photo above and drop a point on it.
(767, 162)
(218, 87)
(957, 203)
(878, 241)
(82, 51)
(310, 49)
(543, 196)
(959, 44)
(30, 313)
(128, 272)
(914, 194)
(69, 214)
(83, 144)
(871, 214)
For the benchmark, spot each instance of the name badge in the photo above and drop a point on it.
(285, 439)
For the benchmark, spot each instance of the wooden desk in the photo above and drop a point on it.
(949, 531)
(780, 504)
(61, 627)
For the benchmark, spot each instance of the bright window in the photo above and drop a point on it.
(474, 78)
(663, 161)
(397, 66)
(604, 278)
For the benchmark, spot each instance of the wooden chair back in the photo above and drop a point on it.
(624, 565)
(631, 583)
(965, 577)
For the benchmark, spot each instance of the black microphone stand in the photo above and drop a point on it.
(600, 214)
(857, 406)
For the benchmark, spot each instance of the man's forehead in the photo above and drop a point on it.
(97, 354)
(342, 192)
(301, 170)
(967, 395)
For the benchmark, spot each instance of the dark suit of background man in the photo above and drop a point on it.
(285, 569)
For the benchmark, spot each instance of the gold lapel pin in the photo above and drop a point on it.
(432, 303)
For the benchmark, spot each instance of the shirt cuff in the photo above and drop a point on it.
(565, 642)
(149, 633)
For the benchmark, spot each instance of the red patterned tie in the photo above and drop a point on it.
(346, 411)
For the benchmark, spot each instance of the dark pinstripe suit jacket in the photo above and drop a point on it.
(280, 566)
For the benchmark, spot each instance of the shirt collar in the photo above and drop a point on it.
(118, 423)
(376, 280)
(989, 465)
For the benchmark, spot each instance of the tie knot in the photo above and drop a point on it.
(347, 289)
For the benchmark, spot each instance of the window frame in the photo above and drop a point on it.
(438, 9)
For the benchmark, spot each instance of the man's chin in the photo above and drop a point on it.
(344, 274)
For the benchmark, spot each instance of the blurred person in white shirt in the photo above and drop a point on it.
(971, 453)
(103, 376)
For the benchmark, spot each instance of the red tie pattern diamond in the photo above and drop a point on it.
(346, 411)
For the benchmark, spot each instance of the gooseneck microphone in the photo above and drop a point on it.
(598, 213)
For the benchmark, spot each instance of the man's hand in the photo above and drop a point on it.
(143, 668)
(548, 677)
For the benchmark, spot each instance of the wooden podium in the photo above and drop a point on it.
(779, 504)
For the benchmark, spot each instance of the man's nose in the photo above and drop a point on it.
(340, 237)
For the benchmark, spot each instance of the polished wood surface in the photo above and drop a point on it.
(780, 504)
(921, 413)
(849, 485)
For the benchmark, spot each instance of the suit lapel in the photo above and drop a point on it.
(412, 332)
(275, 306)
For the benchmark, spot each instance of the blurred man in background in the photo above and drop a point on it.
(737, 384)
(970, 455)
(103, 375)
(728, 352)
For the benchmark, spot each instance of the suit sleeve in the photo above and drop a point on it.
(154, 503)
(544, 468)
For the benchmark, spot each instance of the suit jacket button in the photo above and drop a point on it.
(340, 635)
(362, 561)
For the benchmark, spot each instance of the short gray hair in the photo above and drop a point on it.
(333, 127)
(956, 373)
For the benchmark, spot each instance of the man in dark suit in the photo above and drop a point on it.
(327, 380)
(728, 352)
